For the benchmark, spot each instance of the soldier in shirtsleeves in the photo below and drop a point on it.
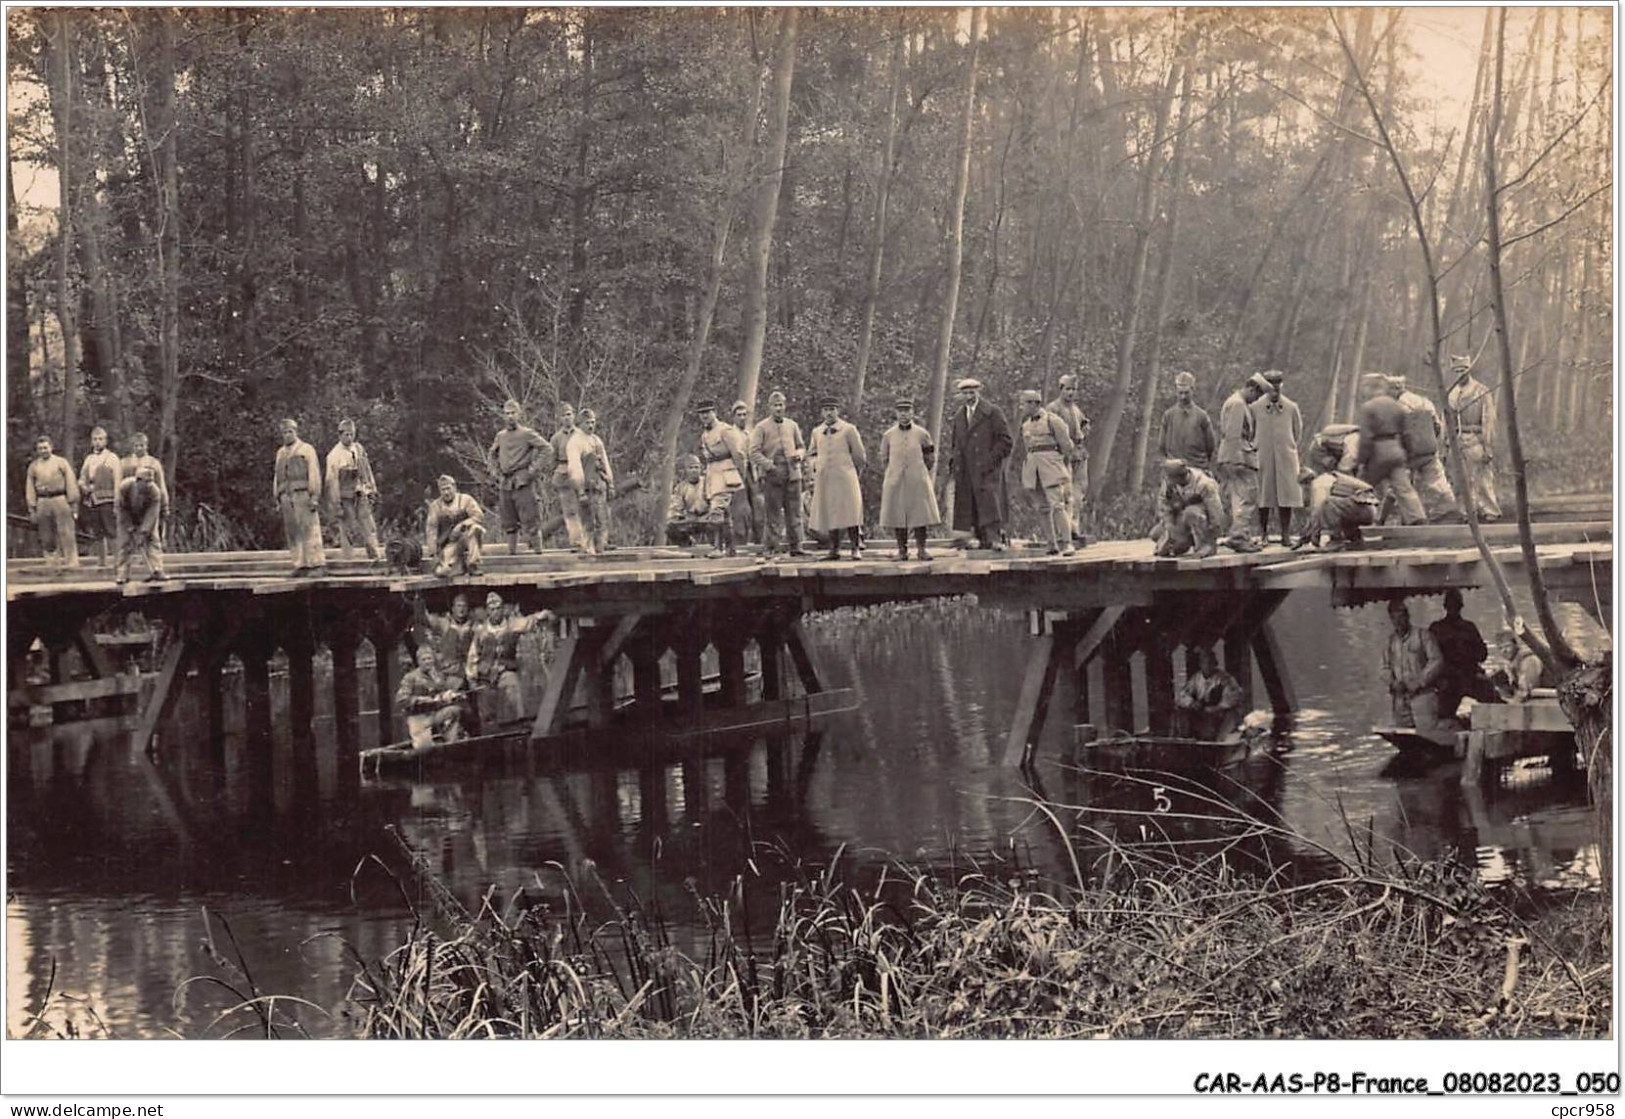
(1045, 472)
(1236, 466)
(1189, 504)
(569, 506)
(776, 451)
(978, 445)
(592, 478)
(351, 490)
(1422, 432)
(432, 702)
(908, 500)
(450, 636)
(139, 508)
(493, 660)
(1280, 427)
(1187, 430)
(747, 514)
(836, 450)
(297, 490)
(453, 530)
(1381, 459)
(722, 450)
(521, 455)
(52, 493)
(1077, 426)
(99, 478)
(686, 512)
(137, 458)
(1473, 406)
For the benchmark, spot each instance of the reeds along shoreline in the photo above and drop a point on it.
(1152, 945)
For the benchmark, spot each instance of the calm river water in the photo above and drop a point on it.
(120, 868)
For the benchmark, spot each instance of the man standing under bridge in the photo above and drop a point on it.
(1411, 667)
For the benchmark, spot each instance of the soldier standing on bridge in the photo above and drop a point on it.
(1280, 427)
(1236, 466)
(1473, 406)
(452, 530)
(569, 506)
(591, 477)
(53, 503)
(1187, 429)
(747, 515)
(520, 454)
(1381, 459)
(1044, 469)
(1077, 427)
(979, 445)
(351, 490)
(1421, 438)
(908, 500)
(139, 508)
(99, 478)
(137, 458)
(297, 491)
(776, 450)
(722, 451)
(838, 457)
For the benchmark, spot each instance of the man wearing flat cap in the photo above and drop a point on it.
(722, 450)
(979, 443)
(908, 500)
(452, 530)
(686, 513)
(1280, 427)
(1189, 504)
(1422, 430)
(777, 449)
(1077, 426)
(1237, 462)
(1044, 470)
(1187, 429)
(836, 452)
(1473, 407)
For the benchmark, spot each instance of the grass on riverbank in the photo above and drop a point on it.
(1151, 945)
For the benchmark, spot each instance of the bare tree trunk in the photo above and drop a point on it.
(59, 65)
(764, 211)
(956, 244)
(1145, 212)
(1163, 285)
(167, 236)
(581, 194)
(98, 277)
(1559, 656)
(1362, 321)
(19, 389)
(871, 287)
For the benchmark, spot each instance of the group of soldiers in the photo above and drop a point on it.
(120, 503)
(1428, 672)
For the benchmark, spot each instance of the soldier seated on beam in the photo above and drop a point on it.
(1208, 707)
(686, 520)
(1191, 513)
(433, 704)
(453, 529)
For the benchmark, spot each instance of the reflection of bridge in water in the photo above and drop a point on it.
(1100, 619)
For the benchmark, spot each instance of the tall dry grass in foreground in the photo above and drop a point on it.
(1145, 944)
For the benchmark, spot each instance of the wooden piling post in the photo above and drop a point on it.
(1159, 680)
(690, 647)
(1238, 661)
(597, 667)
(387, 672)
(731, 664)
(1271, 668)
(1117, 680)
(256, 658)
(645, 651)
(301, 689)
(346, 694)
(770, 642)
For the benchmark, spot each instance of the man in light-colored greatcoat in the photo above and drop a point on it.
(1280, 427)
(836, 451)
(297, 491)
(908, 500)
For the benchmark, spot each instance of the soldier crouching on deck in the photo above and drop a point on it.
(1191, 513)
(686, 514)
(139, 507)
(453, 529)
(1339, 504)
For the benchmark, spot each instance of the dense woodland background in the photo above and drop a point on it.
(405, 215)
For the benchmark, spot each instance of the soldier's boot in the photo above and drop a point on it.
(902, 544)
(1061, 530)
(919, 544)
(856, 535)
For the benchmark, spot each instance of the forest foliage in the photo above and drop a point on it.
(406, 215)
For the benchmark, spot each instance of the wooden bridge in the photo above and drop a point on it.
(1102, 605)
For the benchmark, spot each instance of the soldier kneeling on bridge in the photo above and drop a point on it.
(1191, 513)
(1339, 504)
(453, 528)
(686, 520)
(433, 706)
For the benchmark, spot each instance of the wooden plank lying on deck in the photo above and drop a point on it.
(1497, 535)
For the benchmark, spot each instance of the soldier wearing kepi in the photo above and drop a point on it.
(722, 451)
(908, 500)
(1189, 504)
(53, 502)
(1473, 406)
(569, 507)
(777, 450)
(1280, 427)
(1187, 430)
(686, 513)
(297, 491)
(1381, 459)
(837, 503)
(453, 529)
(1044, 471)
(99, 478)
(1237, 462)
(979, 444)
(522, 455)
(351, 490)
(1077, 427)
(1422, 430)
(139, 507)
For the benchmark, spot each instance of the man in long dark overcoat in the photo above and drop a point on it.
(980, 442)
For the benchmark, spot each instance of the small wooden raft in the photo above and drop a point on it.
(1163, 752)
